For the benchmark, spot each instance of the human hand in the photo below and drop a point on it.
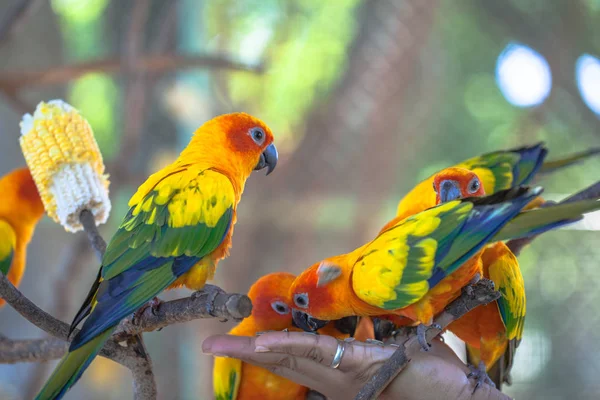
(306, 359)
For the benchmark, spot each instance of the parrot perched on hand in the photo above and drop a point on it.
(271, 311)
(492, 332)
(20, 210)
(420, 264)
(497, 171)
(179, 225)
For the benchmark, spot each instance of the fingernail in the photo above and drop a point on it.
(261, 349)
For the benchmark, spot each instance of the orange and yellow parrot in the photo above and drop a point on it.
(492, 331)
(179, 225)
(497, 171)
(20, 210)
(271, 311)
(421, 263)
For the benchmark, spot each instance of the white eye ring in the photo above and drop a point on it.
(258, 135)
(301, 300)
(280, 307)
(474, 185)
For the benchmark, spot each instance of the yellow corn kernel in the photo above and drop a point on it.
(66, 164)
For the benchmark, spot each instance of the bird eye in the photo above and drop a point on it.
(280, 307)
(258, 135)
(301, 300)
(474, 185)
(434, 188)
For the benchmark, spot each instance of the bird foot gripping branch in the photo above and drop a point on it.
(480, 375)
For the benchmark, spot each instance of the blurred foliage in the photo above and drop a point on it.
(307, 49)
(94, 94)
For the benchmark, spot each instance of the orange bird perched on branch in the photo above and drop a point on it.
(20, 210)
(494, 330)
(271, 311)
(178, 226)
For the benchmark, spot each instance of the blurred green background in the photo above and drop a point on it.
(365, 97)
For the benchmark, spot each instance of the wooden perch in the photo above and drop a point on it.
(483, 293)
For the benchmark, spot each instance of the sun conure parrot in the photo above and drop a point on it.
(271, 311)
(20, 210)
(179, 225)
(419, 264)
(498, 170)
(491, 332)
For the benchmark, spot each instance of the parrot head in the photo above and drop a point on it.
(236, 143)
(455, 183)
(21, 195)
(271, 302)
(322, 293)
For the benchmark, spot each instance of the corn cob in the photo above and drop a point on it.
(66, 164)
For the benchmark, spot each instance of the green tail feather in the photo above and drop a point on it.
(551, 166)
(543, 219)
(71, 367)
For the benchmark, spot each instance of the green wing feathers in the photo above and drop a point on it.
(540, 220)
(504, 169)
(394, 269)
(400, 266)
(553, 165)
(8, 243)
(71, 367)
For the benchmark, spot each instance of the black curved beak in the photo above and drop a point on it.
(306, 322)
(449, 191)
(268, 159)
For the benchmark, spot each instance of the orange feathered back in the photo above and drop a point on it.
(21, 207)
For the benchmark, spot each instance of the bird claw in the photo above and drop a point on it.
(480, 376)
(469, 290)
(375, 341)
(153, 304)
(421, 332)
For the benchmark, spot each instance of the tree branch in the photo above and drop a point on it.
(150, 64)
(89, 226)
(210, 302)
(483, 293)
(32, 350)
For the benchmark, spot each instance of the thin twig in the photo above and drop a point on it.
(151, 64)
(483, 293)
(89, 226)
